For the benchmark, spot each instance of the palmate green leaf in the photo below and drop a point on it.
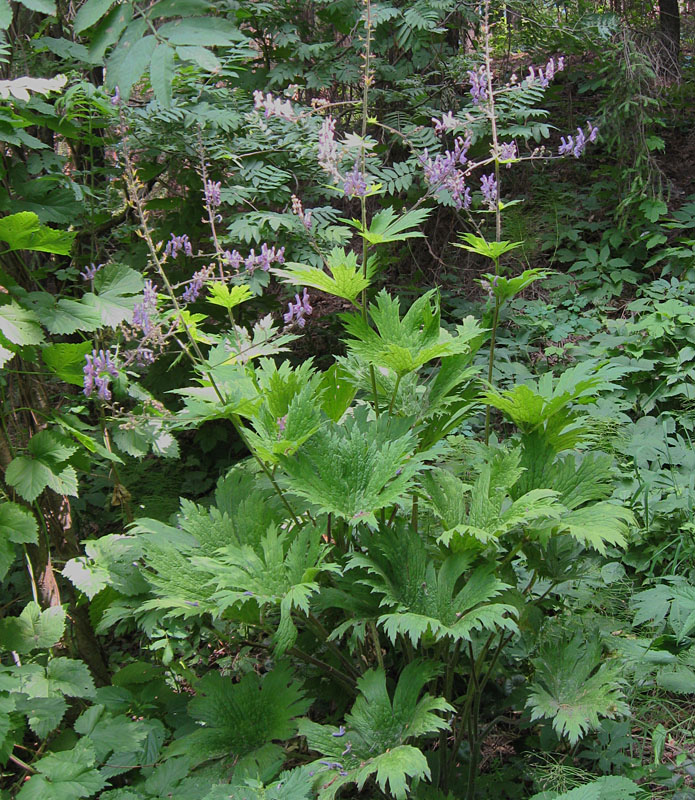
(24, 231)
(424, 599)
(504, 289)
(240, 718)
(356, 468)
(373, 741)
(387, 226)
(33, 629)
(279, 572)
(480, 245)
(117, 289)
(404, 345)
(574, 686)
(229, 298)
(610, 787)
(598, 525)
(346, 278)
(64, 775)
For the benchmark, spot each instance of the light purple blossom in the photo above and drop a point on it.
(89, 272)
(442, 173)
(508, 152)
(546, 74)
(195, 285)
(576, 144)
(339, 732)
(265, 259)
(178, 243)
(328, 149)
(234, 259)
(273, 106)
(298, 209)
(98, 371)
(355, 185)
(478, 80)
(446, 123)
(212, 193)
(143, 310)
(488, 186)
(116, 97)
(298, 310)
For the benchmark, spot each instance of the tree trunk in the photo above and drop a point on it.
(670, 23)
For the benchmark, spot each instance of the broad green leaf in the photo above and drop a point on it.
(33, 629)
(42, 6)
(67, 360)
(24, 231)
(17, 524)
(117, 291)
(346, 279)
(110, 29)
(480, 245)
(67, 315)
(204, 58)
(28, 476)
(127, 63)
(161, 73)
(64, 775)
(178, 8)
(20, 325)
(387, 226)
(5, 15)
(222, 295)
(44, 713)
(205, 31)
(610, 787)
(109, 733)
(90, 13)
(70, 677)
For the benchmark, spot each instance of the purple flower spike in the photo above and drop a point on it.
(143, 310)
(339, 732)
(298, 310)
(478, 81)
(116, 97)
(178, 243)
(445, 124)
(212, 193)
(488, 186)
(328, 149)
(508, 152)
(355, 185)
(98, 371)
(90, 271)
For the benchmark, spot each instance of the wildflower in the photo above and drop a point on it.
(508, 152)
(339, 732)
(355, 184)
(488, 186)
(328, 149)
(298, 310)
(148, 305)
(298, 209)
(89, 272)
(478, 80)
(445, 124)
(212, 193)
(234, 259)
(195, 285)
(116, 97)
(177, 243)
(273, 106)
(98, 372)
(575, 145)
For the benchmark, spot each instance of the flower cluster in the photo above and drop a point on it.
(298, 209)
(196, 283)
(442, 173)
(89, 272)
(545, 75)
(273, 106)
(298, 310)
(478, 81)
(445, 124)
(98, 372)
(508, 152)
(177, 243)
(265, 259)
(488, 186)
(143, 310)
(212, 194)
(575, 145)
(328, 148)
(354, 184)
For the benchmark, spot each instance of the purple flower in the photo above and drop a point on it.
(355, 184)
(192, 291)
(298, 310)
(265, 259)
(116, 97)
(445, 124)
(339, 732)
(273, 106)
(442, 172)
(328, 149)
(298, 209)
(547, 73)
(575, 145)
(148, 305)
(508, 152)
(488, 186)
(98, 371)
(593, 132)
(212, 193)
(478, 80)
(234, 259)
(90, 271)
(177, 243)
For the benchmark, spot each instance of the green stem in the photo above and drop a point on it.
(395, 392)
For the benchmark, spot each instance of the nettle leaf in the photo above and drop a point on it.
(404, 345)
(33, 629)
(240, 718)
(109, 561)
(44, 714)
(355, 468)
(574, 686)
(423, 598)
(17, 524)
(69, 677)
(64, 775)
(67, 360)
(346, 279)
(24, 231)
(19, 325)
(373, 740)
(43, 466)
(117, 290)
(110, 733)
